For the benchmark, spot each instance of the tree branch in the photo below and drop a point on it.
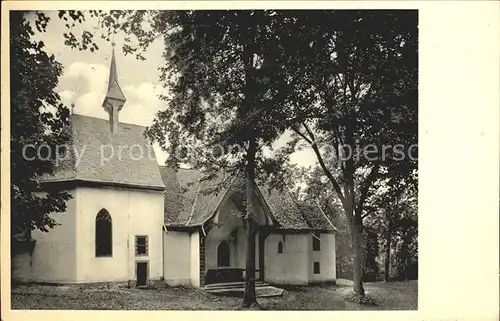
(327, 172)
(309, 132)
(302, 135)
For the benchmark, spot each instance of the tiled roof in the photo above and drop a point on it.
(98, 155)
(191, 201)
(284, 209)
(315, 217)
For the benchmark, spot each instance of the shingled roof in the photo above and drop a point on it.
(191, 201)
(98, 155)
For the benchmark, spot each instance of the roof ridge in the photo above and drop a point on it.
(326, 217)
(266, 205)
(194, 204)
(185, 169)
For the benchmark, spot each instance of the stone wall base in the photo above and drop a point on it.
(323, 282)
(152, 283)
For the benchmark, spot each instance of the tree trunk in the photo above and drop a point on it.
(356, 231)
(250, 298)
(387, 262)
(358, 240)
(406, 252)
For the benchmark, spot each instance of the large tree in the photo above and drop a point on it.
(224, 70)
(356, 107)
(38, 122)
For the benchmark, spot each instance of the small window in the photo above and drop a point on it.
(280, 247)
(316, 242)
(141, 245)
(316, 267)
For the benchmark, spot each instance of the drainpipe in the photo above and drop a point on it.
(203, 230)
(128, 241)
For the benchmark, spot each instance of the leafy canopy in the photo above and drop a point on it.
(37, 119)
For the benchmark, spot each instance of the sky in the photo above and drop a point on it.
(85, 77)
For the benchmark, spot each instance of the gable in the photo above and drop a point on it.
(234, 200)
(191, 200)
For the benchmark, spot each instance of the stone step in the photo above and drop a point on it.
(231, 285)
(238, 291)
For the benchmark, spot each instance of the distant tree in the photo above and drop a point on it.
(405, 235)
(371, 267)
(394, 218)
(38, 122)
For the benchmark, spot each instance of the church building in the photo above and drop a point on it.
(130, 220)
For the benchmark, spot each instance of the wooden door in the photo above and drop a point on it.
(141, 271)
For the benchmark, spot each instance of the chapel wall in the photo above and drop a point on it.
(54, 255)
(177, 258)
(134, 213)
(325, 257)
(291, 266)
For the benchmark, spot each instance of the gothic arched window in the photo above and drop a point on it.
(103, 234)
(280, 247)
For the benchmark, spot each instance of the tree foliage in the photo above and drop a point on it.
(37, 119)
(396, 222)
(392, 216)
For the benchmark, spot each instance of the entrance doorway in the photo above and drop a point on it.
(223, 254)
(141, 271)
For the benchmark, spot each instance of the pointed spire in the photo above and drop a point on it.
(114, 90)
(115, 99)
(113, 74)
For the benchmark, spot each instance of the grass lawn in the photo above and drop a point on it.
(390, 296)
